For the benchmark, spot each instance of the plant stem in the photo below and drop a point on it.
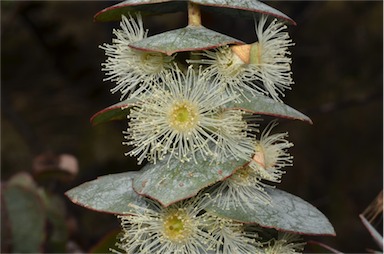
(194, 16)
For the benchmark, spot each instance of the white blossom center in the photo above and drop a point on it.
(183, 116)
(177, 226)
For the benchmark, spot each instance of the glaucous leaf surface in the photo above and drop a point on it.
(146, 7)
(190, 38)
(109, 194)
(263, 105)
(257, 104)
(286, 212)
(169, 182)
(240, 8)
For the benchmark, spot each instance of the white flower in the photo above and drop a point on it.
(260, 68)
(271, 154)
(134, 71)
(229, 70)
(231, 237)
(180, 118)
(235, 138)
(179, 228)
(270, 56)
(286, 243)
(245, 186)
(243, 189)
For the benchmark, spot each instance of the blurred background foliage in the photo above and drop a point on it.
(51, 84)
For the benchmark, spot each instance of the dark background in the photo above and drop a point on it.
(51, 83)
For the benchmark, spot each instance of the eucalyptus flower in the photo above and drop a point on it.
(270, 56)
(235, 139)
(134, 71)
(231, 237)
(182, 117)
(259, 68)
(245, 185)
(227, 69)
(241, 189)
(286, 243)
(271, 154)
(177, 229)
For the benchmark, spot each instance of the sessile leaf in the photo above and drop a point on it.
(146, 7)
(285, 212)
(263, 105)
(165, 182)
(109, 194)
(190, 38)
(258, 104)
(243, 8)
(169, 182)
(118, 111)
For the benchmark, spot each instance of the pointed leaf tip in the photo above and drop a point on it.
(263, 105)
(244, 8)
(285, 212)
(118, 111)
(109, 194)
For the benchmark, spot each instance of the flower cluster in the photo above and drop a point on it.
(175, 229)
(246, 185)
(133, 71)
(186, 227)
(183, 114)
(184, 111)
(271, 154)
(183, 117)
(260, 68)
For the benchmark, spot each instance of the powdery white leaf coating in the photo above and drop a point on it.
(285, 212)
(109, 194)
(189, 38)
(263, 105)
(169, 182)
